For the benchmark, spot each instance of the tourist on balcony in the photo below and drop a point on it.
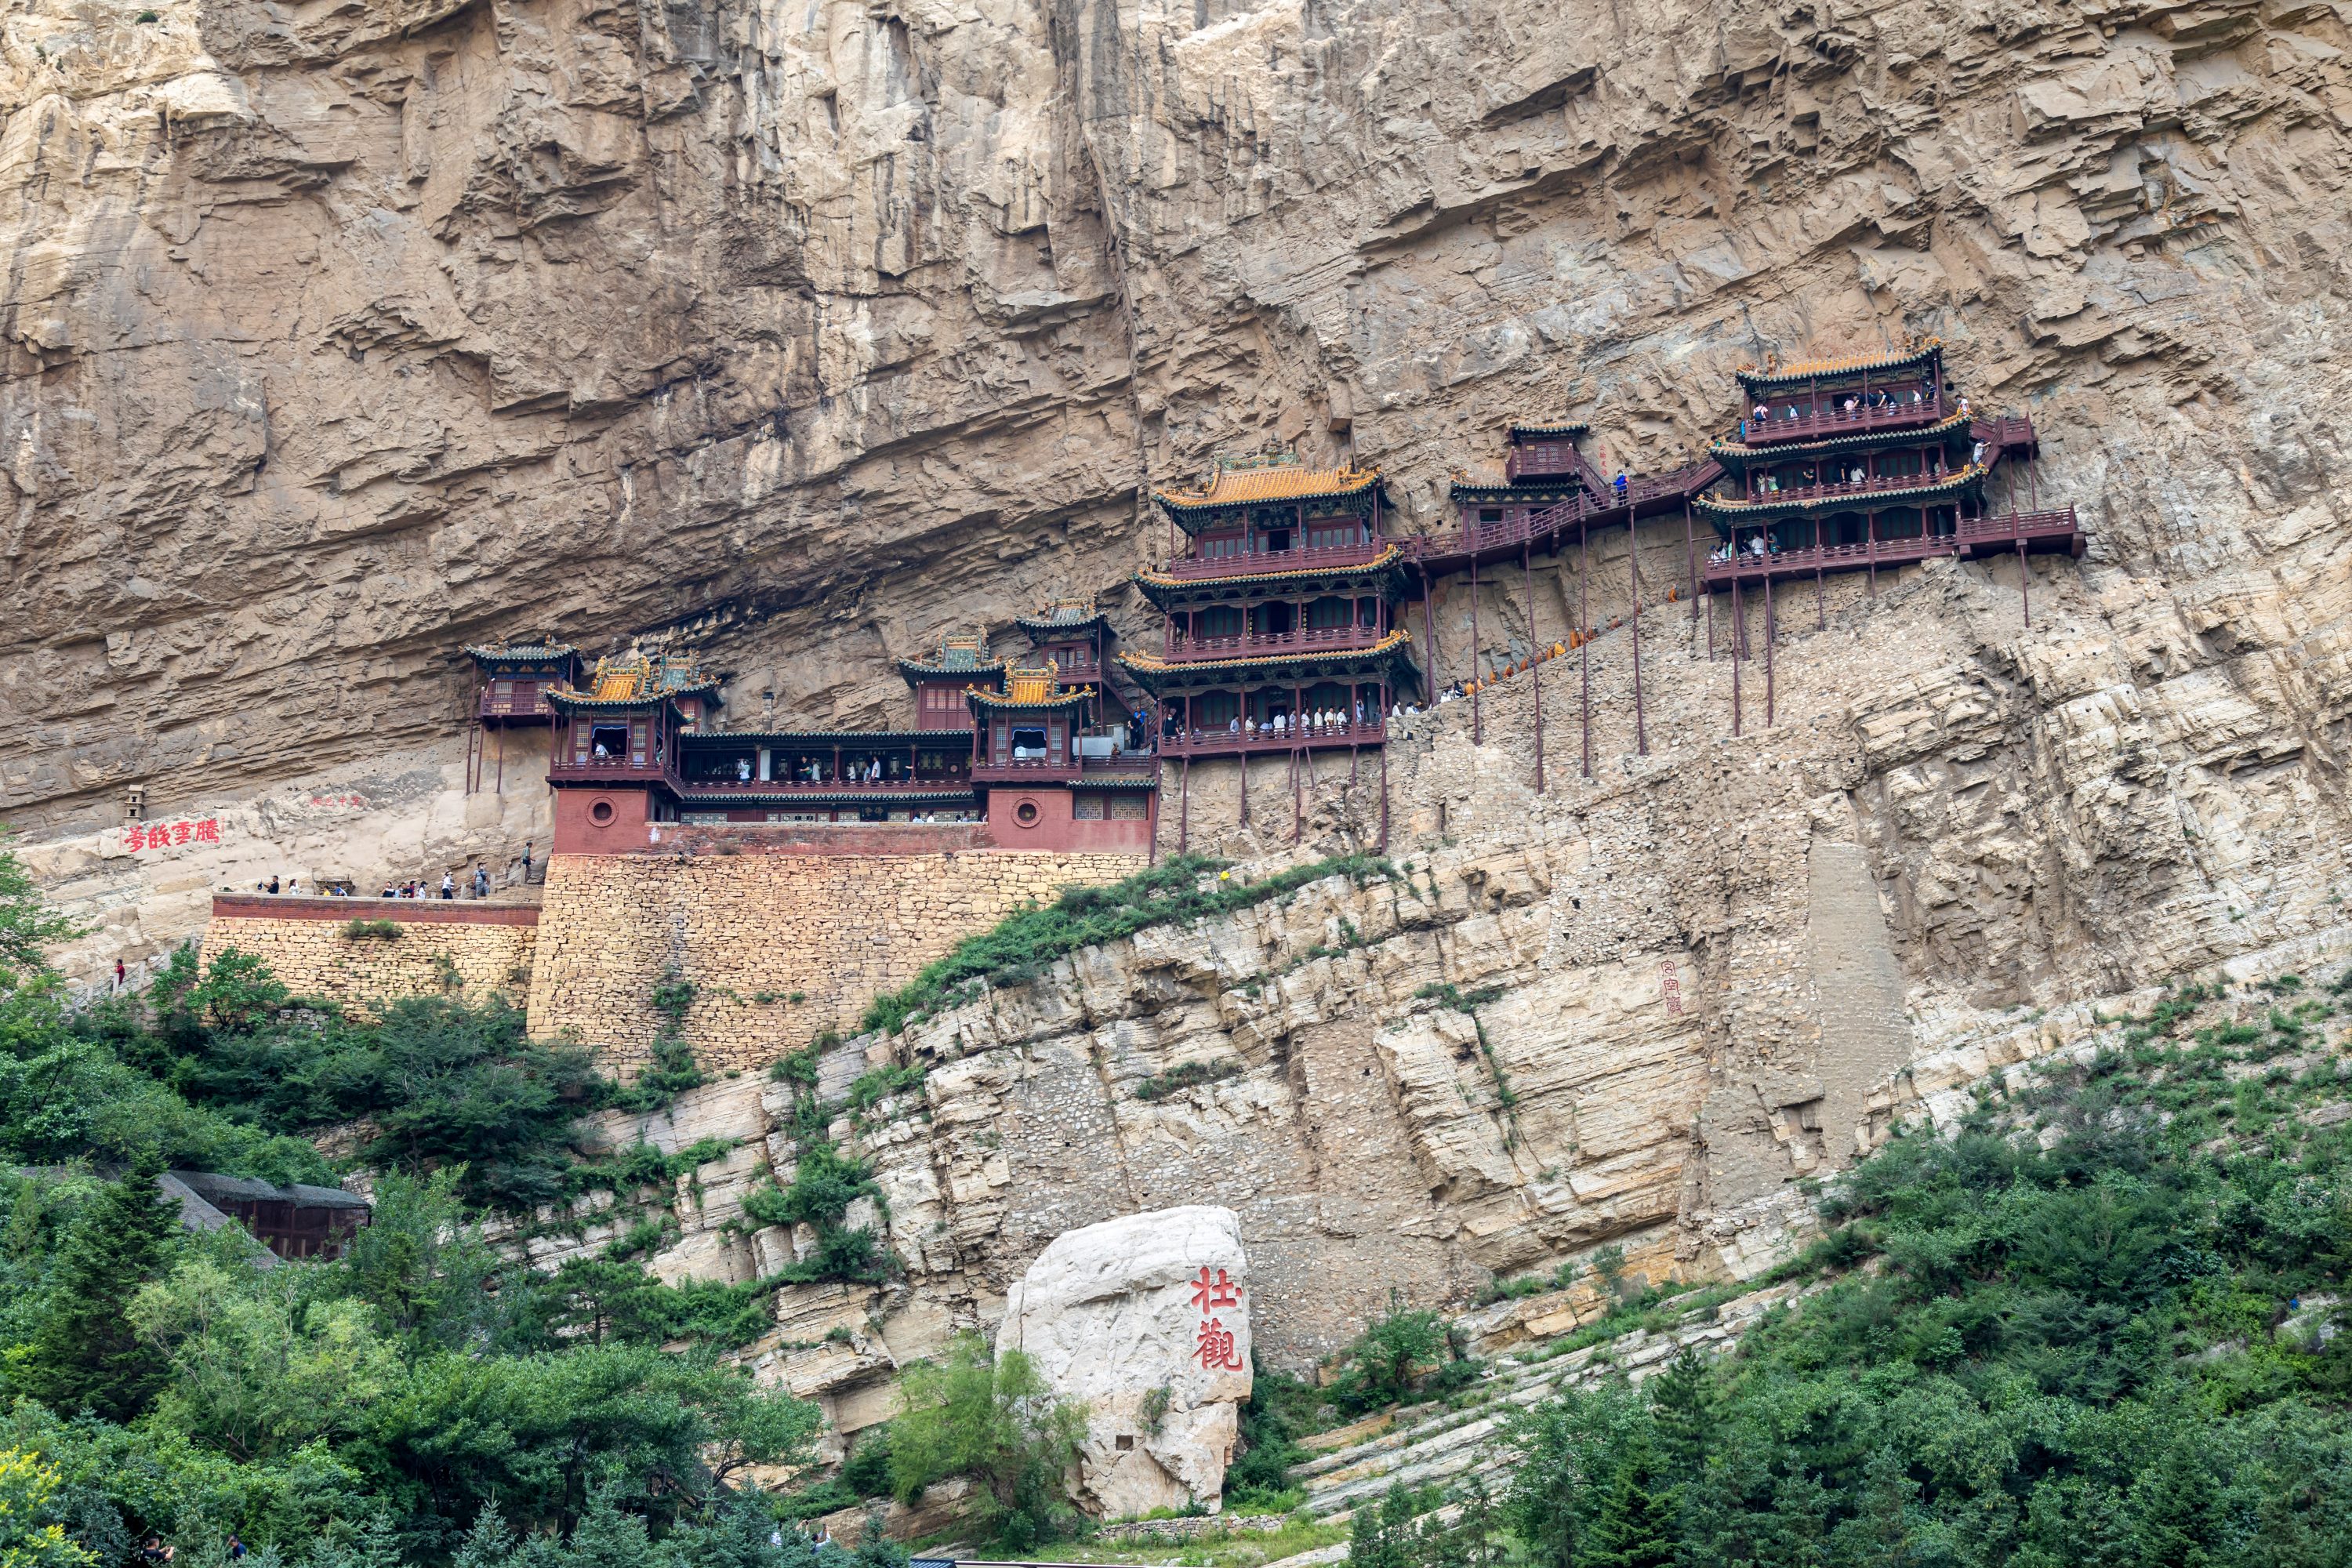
(1762, 415)
(481, 880)
(743, 770)
(1619, 485)
(448, 886)
(1233, 725)
(602, 754)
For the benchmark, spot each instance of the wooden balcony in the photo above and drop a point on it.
(1225, 743)
(1334, 557)
(1791, 495)
(1543, 461)
(1977, 536)
(1253, 645)
(611, 771)
(523, 705)
(1138, 767)
(1830, 423)
(721, 790)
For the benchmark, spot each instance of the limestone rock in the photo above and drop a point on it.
(1145, 1320)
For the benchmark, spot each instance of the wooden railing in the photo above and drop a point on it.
(1256, 561)
(722, 788)
(1226, 743)
(1315, 639)
(1836, 488)
(1975, 534)
(1778, 426)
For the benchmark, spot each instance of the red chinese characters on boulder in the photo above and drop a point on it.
(138, 836)
(1215, 1350)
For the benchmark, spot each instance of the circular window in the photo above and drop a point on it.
(601, 814)
(1025, 814)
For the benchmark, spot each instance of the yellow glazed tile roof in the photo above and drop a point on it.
(1271, 480)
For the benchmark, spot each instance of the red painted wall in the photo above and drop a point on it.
(578, 831)
(1054, 826)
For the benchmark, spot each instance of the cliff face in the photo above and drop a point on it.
(339, 334)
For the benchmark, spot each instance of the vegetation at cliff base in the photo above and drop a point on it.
(424, 1399)
(993, 1419)
(1018, 948)
(2096, 1324)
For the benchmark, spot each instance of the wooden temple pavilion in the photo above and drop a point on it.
(1059, 766)
(636, 748)
(512, 682)
(1278, 616)
(1848, 464)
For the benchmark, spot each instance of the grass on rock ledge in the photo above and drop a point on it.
(1180, 890)
(1218, 1550)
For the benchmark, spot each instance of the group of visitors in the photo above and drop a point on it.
(1878, 400)
(1315, 721)
(811, 769)
(1758, 547)
(414, 888)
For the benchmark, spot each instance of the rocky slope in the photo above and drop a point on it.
(338, 334)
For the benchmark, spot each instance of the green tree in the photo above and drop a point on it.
(87, 1354)
(1382, 1535)
(257, 1370)
(1682, 1416)
(993, 1420)
(27, 925)
(28, 1537)
(1634, 1525)
(1383, 1359)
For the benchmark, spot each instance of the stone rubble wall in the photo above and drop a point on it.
(749, 932)
(476, 951)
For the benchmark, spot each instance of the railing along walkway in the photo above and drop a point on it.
(1976, 535)
(1228, 744)
(1244, 645)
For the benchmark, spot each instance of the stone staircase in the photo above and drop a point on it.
(1447, 1444)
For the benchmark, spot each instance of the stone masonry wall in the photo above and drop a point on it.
(779, 948)
(477, 951)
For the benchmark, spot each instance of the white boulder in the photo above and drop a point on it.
(1146, 1319)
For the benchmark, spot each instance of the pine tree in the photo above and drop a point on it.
(1635, 1528)
(1684, 1414)
(87, 1356)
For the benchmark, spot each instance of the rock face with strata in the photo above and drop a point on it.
(1145, 1321)
(337, 335)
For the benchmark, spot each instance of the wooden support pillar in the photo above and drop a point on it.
(1584, 634)
(1736, 624)
(1384, 790)
(1690, 557)
(1477, 733)
(2024, 593)
(501, 786)
(1869, 548)
(1184, 807)
(1821, 596)
(1429, 626)
(1297, 795)
(1633, 569)
(1535, 669)
(1770, 631)
(1244, 776)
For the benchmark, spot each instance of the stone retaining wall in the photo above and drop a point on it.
(753, 931)
(475, 950)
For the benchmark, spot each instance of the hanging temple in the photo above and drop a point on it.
(1284, 626)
